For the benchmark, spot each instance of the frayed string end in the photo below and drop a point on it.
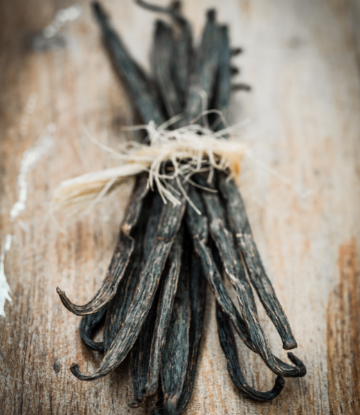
(171, 155)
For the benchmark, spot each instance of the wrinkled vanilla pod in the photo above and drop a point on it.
(164, 309)
(88, 325)
(140, 357)
(241, 229)
(197, 306)
(252, 336)
(176, 349)
(120, 259)
(237, 216)
(162, 67)
(228, 345)
(119, 305)
(153, 296)
(169, 224)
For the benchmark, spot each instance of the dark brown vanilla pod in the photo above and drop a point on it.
(182, 52)
(203, 76)
(223, 81)
(88, 325)
(140, 353)
(169, 225)
(119, 305)
(224, 240)
(198, 228)
(241, 229)
(182, 60)
(164, 310)
(228, 345)
(140, 357)
(176, 350)
(161, 64)
(120, 258)
(197, 305)
(237, 216)
(254, 339)
(145, 100)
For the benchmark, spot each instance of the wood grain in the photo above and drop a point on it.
(302, 59)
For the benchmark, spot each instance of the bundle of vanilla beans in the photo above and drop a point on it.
(152, 299)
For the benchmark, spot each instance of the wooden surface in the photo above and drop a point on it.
(302, 120)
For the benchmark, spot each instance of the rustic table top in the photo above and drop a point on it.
(301, 187)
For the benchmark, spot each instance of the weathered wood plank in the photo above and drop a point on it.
(302, 60)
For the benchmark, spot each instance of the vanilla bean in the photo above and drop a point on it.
(120, 258)
(241, 229)
(140, 357)
(164, 310)
(162, 65)
(238, 220)
(119, 305)
(140, 353)
(198, 229)
(88, 325)
(145, 100)
(228, 345)
(203, 77)
(223, 82)
(197, 304)
(176, 350)
(169, 224)
(182, 48)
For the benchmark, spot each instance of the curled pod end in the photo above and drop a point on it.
(170, 406)
(297, 362)
(68, 304)
(136, 402)
(98, 10)
(149, 389)
(289, 344)
(74, 368)
(279, 384)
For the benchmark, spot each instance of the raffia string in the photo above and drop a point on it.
(187, 150)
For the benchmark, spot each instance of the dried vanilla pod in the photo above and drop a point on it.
(238, 221)
(164, 309)
(197, 306)
(241, 229)
(139, 89)
(161, 67)
(176, 349)
(120, 259)
(155, 290)
(169, 223)
(88, 325)
(228, 345)
(119, 305)
(140, 357)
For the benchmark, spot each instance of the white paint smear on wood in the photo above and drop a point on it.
(29, 159)
(4, 286)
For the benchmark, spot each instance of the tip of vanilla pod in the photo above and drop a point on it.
(98, 9)
(211, 14)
